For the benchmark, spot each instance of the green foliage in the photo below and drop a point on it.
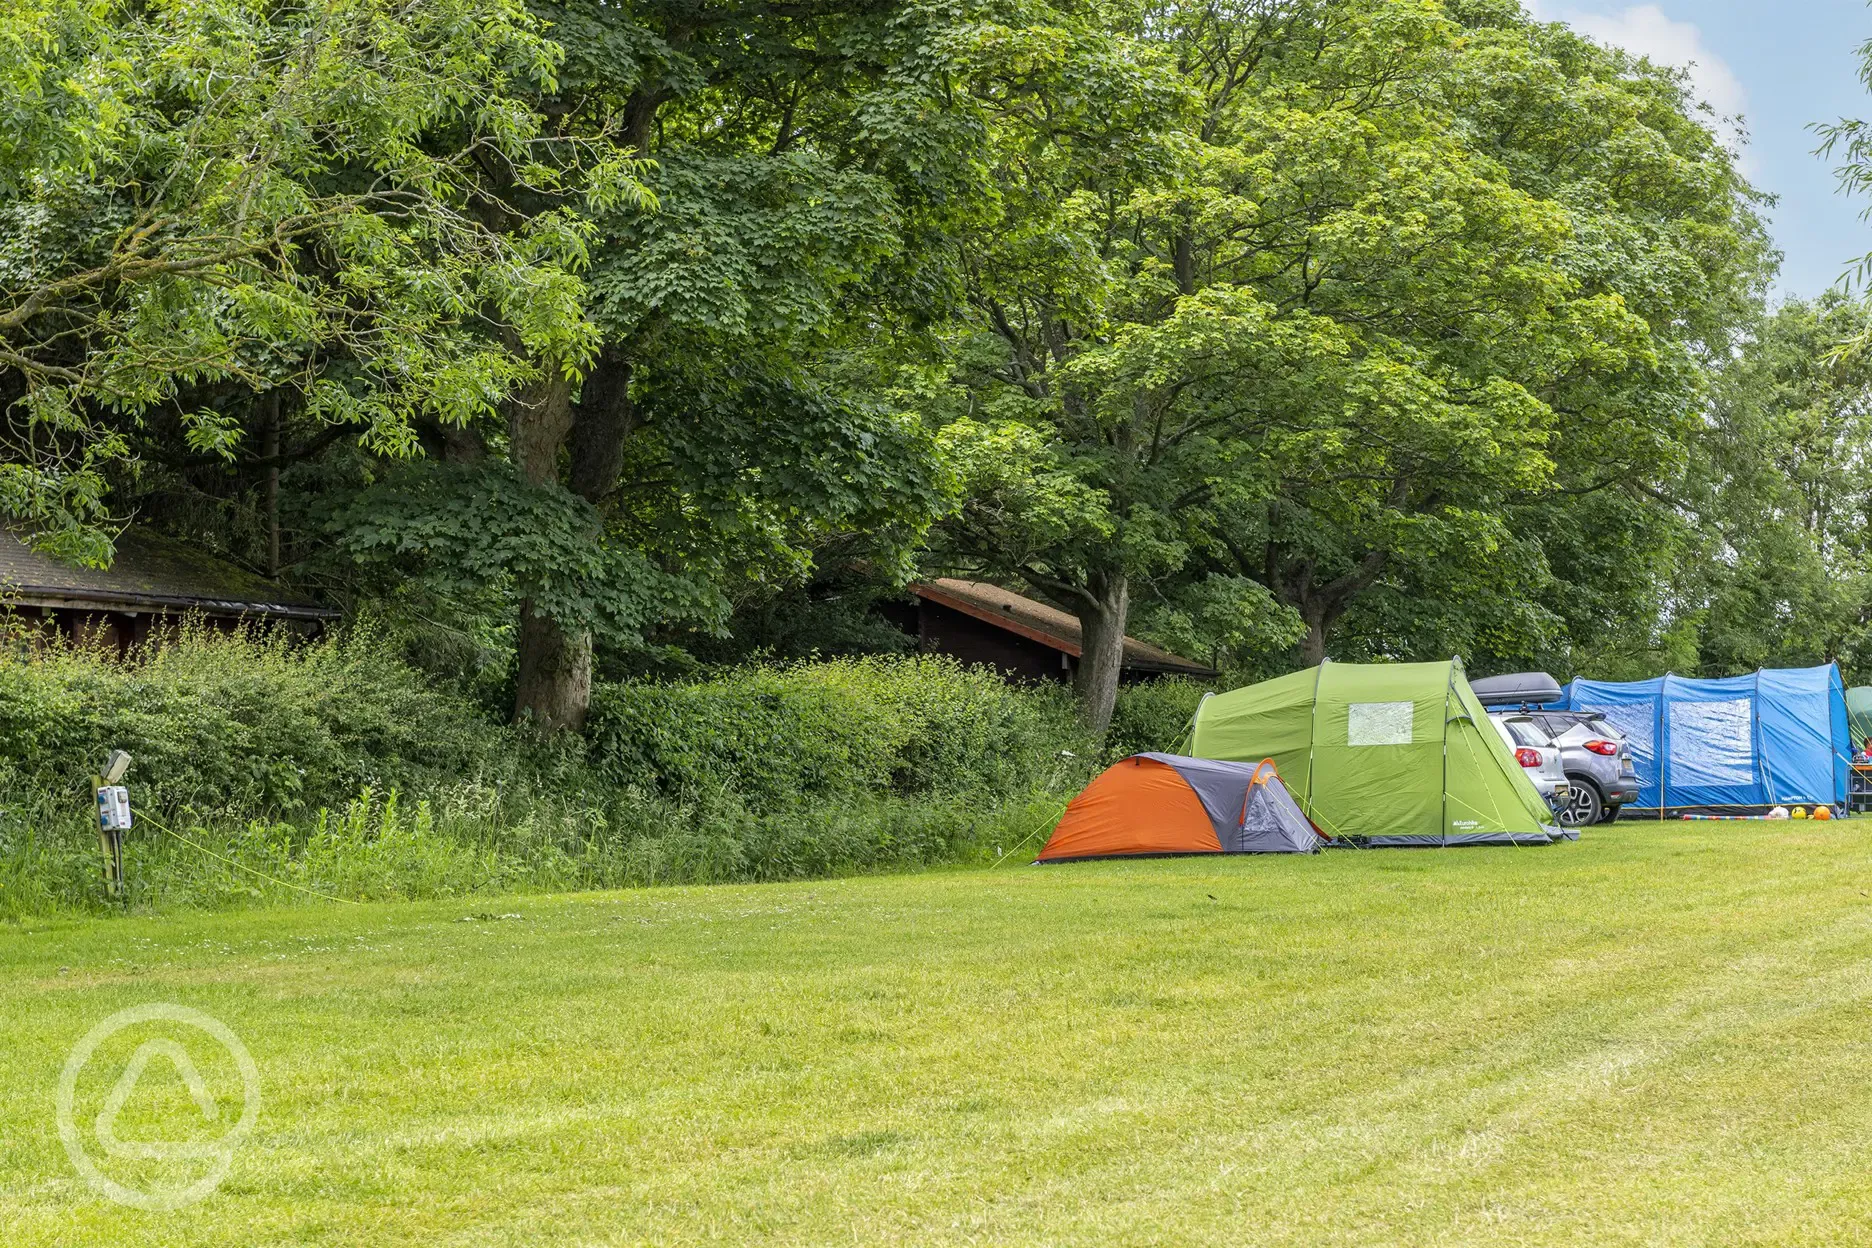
(748, 244)
(1849, 139)
(228, 192)
(1575, 574)
(1154, 717)
(466, 531)
(1774, 567)
(766, 461)
(227, 723)
(1230, 619)
(1414, 281)
(786, 737)
(837, 615)
(1388, 327)
(335, 769)
(837, 838)
(472, 841)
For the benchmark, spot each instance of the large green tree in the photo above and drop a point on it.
(1408, 258)
(1580, 571)
(814, 168)
(1776, 500)
(1059, 490)
(205, 202)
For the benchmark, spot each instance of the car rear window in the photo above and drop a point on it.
(1526, 732)
(1604, 727)
(1560, 723)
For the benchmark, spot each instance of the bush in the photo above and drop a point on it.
(273, 772)
(779, 738)
(235, 723)
(1154, 717)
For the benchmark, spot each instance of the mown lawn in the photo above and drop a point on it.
(1661, 1035)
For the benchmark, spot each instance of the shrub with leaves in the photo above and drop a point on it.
(239, 724)
(1154, 717)
(783, 737)
(334, 768)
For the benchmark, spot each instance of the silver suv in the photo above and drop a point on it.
(1594, 754)
(1598, 761)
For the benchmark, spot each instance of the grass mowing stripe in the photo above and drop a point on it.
(1654, 1036)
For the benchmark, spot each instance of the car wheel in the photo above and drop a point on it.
(1583, 807)
(1611, 814)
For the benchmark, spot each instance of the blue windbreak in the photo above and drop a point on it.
(1773, 737)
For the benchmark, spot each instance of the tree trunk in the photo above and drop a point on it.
(1183, 261)
(462, 444)
(604, 421)
(1320, 609)
(554, 686)
(1101, 649)
(1320, 606)
(270, 448)
(542, 417)
(1313, 642)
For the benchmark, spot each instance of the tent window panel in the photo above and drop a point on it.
(1379, 723)
(1712, 743)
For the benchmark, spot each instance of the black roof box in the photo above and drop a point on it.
(1520, 689)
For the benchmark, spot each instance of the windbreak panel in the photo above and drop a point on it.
(1712, 743)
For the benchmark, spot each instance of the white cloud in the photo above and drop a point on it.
(1644, 30)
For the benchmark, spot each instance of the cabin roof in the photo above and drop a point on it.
(1045, 624)
(150, 573)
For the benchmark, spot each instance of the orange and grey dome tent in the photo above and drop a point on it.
(1167, 804)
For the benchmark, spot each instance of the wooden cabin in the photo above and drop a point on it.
(1026, 639)
(154, 581)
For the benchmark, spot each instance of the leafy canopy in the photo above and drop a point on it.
(268, 195)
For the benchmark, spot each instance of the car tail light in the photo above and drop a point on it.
(1606, 748)
(1527, 757)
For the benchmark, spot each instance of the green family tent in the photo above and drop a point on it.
(1859, 716)
(1383, 753)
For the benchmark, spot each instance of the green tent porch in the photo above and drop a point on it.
(1859, 716)
(1381, 753)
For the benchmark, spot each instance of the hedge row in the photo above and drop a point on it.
(786, 737)
(340, 768)
(240, 724)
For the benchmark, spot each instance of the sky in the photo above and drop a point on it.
(1781, 65)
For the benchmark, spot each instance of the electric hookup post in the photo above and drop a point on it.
(112, 801)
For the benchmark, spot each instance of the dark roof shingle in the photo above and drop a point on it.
(150, 572)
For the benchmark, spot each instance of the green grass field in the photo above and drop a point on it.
(1661, 1035)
